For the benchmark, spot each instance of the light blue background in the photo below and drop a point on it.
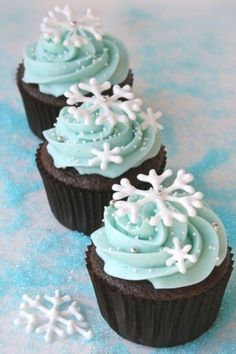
(183, 56)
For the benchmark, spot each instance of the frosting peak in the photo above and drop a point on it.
(139, 242)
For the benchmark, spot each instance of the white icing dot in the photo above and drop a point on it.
(134, 270)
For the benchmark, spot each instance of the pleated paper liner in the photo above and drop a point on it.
(76, 208)
(163, 321)
(79, 208)
(42, 109)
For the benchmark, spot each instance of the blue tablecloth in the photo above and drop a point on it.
(183, 57)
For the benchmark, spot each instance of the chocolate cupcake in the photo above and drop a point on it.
(160, 264)
(69, 51)
(92, 146)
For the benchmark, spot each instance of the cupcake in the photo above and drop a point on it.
(92, 146)
(70, 50)
(160, 264)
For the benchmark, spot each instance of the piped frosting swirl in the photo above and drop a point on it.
(104, 135)
(181, 254)
(59, 59)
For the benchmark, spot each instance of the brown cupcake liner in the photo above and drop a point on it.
(158, 323)
(42, 109)
(76, 207)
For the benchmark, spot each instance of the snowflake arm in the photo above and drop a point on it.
(37, 316)
(160, 196)
(105, 156)
(112, 108)
(150, 120)
(92, 24)
(123, 190)
(154, 179)
(179, 255)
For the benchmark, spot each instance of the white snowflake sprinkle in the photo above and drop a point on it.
(111, 108)
(62, 20)
(179, 255)
(150, 120)
(105, 156)
(55, 316)
(158, 195)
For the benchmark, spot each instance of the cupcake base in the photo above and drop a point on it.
(78, 201)
(42, 109)
(158, 318)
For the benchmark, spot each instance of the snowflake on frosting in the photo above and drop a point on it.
(150, 120)
(110, 107)
(105, 156)
(62, 318)
(61, 20)
(161, 196)
(179, 255)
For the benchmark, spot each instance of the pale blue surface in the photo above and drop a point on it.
(183, 55)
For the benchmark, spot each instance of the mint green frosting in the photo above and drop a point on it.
(71, 142)
(114, 243)
(55, 67)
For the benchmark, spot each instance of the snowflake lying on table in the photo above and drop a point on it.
(111, 107)
(162, 197)
(54, 27)
(63, 318)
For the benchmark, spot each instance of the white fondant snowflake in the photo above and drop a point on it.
(108, 105)
(55, 316)
(150, 120)
(179, 255)
(53, 26)
(105, 156)
(159, 195)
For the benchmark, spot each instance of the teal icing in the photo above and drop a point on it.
(79, 139)
(114, 243)
(55, 67)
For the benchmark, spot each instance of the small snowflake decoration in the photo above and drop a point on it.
(150, 120)
(107, 104)
(36, 315)
(53, 26)
(160, 196)
(106, 156)
(179, 255)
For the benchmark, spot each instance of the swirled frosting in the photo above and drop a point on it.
(55, 67)
(72, 142)
(138, 251)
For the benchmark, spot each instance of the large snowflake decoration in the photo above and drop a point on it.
(150, 120)
(105, 156)
(163, 197)
(61, 20)
(110, 107)
(179, 255)
(61, 319)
